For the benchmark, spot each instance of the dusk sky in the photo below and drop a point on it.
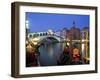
(41, 22)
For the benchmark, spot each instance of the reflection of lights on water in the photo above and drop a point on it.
(50, 50)
(83, 46)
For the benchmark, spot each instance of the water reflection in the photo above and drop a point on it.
(49, 53)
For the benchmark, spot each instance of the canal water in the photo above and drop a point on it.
(49, 53)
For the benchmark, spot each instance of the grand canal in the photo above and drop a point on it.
(49, 53)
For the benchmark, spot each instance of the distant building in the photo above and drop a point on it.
(76, 37)
(50, 32)
(85, 33)
(85, 39)
(63, 33)
(71, 34)
(74, 34)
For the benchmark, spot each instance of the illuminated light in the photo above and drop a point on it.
(27, 21)
(35, 41)
(27, 24)
(83, 40)
(29, 48)
(68, 44)
(26, 42)
(87, 45)
(83, 48)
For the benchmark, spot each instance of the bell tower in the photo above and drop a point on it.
(74, 25)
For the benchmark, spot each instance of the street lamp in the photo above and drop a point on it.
(27, 24)
(27, 28)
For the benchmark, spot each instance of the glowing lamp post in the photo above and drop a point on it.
(27, 24)
(27, 28)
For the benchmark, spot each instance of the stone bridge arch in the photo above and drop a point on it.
(47, 38)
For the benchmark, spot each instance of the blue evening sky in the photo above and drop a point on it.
(41, 22)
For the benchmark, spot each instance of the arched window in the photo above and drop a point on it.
(43, 34)
(30, 36)
(37, 34)
(46, 33)
(40, 34)
(33, 35)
